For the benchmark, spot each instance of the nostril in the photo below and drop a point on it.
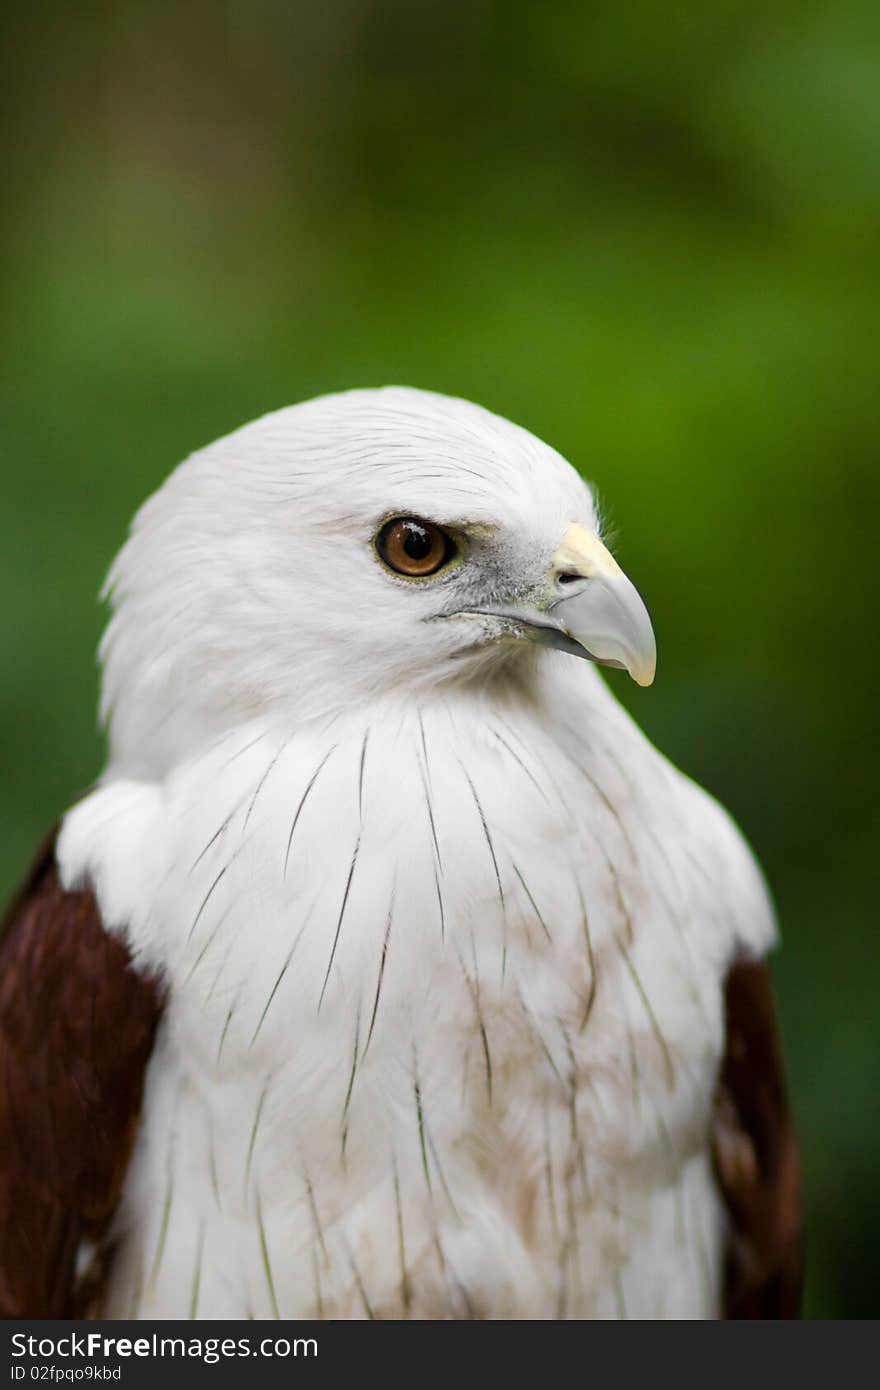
(568, 577)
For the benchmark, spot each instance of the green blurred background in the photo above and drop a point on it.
(650, 233)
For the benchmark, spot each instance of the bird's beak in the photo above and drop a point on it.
(604, 612)
(600, 616)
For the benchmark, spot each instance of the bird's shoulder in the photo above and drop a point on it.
(718, 851)
(754, 1145)
(675, 821)
(77, 1024)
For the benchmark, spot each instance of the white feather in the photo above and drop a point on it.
(443, 935)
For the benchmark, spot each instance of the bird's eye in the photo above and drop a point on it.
(413, 547)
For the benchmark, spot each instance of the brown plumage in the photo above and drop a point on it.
(756, 1156)
(77, 1024)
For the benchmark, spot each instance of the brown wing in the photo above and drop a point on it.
(77, 1024)
(756, 1156)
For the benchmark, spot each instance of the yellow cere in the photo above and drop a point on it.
(581, 551)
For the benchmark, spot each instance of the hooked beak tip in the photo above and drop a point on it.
(644, 675)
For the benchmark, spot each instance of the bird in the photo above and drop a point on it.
(388, 971)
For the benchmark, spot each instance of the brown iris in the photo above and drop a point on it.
(414, 547)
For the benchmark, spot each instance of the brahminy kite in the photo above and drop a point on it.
(388, 971)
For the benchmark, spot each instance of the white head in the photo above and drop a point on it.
(268, 571)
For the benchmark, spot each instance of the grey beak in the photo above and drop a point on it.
(607, 621)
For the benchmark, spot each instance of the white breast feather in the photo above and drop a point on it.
(444, 1014)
